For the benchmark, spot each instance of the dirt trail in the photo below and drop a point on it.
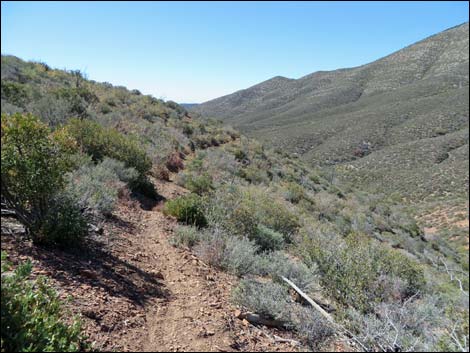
(196, 314)
(137, 292)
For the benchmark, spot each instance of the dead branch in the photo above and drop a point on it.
(6, 212)
(286, 340)
(309, 300)
(325, 314)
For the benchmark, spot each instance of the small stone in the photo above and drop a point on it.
(159, 275)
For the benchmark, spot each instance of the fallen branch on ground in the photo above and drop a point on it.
(324, 313)
(6, 212)
(309, 300)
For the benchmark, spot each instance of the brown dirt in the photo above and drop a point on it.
(136, 292)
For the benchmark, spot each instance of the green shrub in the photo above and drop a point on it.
(186, 236)
(269, 300)
(272, 301)
(294, 193)
(33, 317)
(360, 272)
(33, 169)
(240, 155)
(199, 184)
(267, 239)
(54, 111)
(188, 209)
(239, 256)
(126, 175)
(78, 99)
(63, 224)
(311, 326)
(241, 209)
(15, 93)
(101, 142)
(96, 187)
(278, 264)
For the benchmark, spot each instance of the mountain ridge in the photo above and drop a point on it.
(417, 93)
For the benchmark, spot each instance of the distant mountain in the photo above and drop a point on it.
(397, 124)
(189, 105)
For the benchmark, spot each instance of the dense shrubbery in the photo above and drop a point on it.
(63, 223)
(188, 209)
(272, 301)
(199, 184)
(33, 317)
(33, 167)
(77, 100)
(185, 236)
(15, 92)
(360, 273)
(239, 256)
(267, 239)
(97, 187)
(101, 142)
(277, 264)
(241, 211)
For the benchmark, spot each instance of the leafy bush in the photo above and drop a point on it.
(294, 193)
(63, 224)
(32, 315)
(267, 239)
(15, 93)
(359, 272)
(241, 209)
(126, 175)
(311, 326)
(278, 264)
(78, 99)
(272, 301)
(199, 184)
(52, 110)
(96, 187)
(239, 256)
(33, 168)
(101, 142)
(187, 209)
(269, 300)
(186, 236)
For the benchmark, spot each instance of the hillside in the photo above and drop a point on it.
(392, 123)
(163, 230)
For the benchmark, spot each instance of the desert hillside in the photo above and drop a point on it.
(132, 224)
(397, 124)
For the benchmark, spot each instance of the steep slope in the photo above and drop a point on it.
(408, 98)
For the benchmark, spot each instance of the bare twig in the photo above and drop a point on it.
(309, 300)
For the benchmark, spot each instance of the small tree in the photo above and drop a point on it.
(33, 167)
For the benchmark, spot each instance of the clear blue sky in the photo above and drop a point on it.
(196, 51)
